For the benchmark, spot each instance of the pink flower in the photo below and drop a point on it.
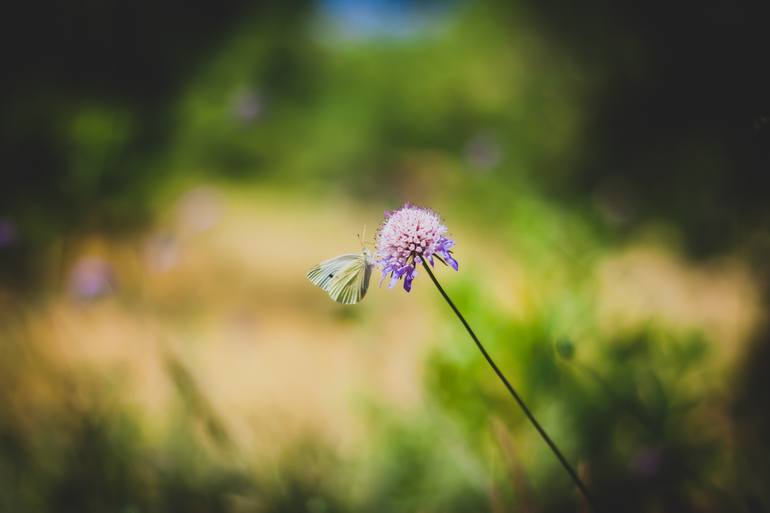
(407, 237)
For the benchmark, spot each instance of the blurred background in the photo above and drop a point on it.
(170, 171)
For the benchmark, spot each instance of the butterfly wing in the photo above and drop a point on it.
(322, 274)
(350, 286)
(345, 278)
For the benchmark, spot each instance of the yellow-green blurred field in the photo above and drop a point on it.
(206, 318)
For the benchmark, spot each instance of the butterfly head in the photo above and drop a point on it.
(365, 251)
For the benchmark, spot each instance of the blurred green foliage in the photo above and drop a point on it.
(638, 411)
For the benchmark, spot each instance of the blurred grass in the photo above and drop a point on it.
(217, 357)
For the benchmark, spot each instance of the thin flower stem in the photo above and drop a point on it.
(582, 487)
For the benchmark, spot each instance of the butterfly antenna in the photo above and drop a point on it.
(362, 237)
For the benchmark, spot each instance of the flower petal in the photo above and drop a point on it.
(411, 274)
(452, 261)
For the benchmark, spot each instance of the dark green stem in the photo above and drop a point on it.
(582, 487)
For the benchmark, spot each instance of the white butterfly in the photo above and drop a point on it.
(345, 278)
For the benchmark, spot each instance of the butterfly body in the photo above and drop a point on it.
(345, 278)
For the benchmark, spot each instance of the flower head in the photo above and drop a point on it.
(407, 237)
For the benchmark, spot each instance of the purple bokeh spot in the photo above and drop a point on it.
(91, 278)
(483, 151)
(646, 462)
(7, 233)
(248, 107)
